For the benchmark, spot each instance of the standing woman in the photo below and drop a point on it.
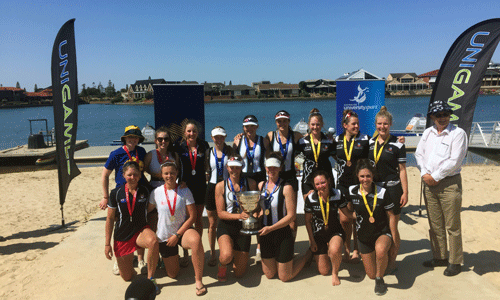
(285, 140)
(252, 148)
(215, 162)
(176, 215)
(130, 151)
(128, 207)
(326, 235)
(351, 146)
(376, 223)
(279, 209)
(389, 157)
(233, 245)
(192, 155)
(317, 149)
(164, 151)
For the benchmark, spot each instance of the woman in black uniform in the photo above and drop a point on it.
(279, 209)
(192, 151)
(127, 207)
(351, 146)
(233, 245)
(215, 161)
(389, 157)
(326, 235)
(252, 148)
(375, 223)
(317, 149)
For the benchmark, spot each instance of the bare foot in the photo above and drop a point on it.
(335, 280)
(355, 258)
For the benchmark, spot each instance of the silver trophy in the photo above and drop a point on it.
(249, 202)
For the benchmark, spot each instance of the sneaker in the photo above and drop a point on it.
(380, 287)
(143, 267)
(222, 274)
(116, 270)
(258, 255)
(156, 286)
(435, 263)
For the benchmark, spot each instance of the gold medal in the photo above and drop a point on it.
(172, 219)
(376, 156)
(130, 219)
(267, 212)
(371, 219)
(349, 163)
(316, 153)
(370, 211)
(348, 154)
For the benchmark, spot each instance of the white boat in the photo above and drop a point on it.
(147, 131)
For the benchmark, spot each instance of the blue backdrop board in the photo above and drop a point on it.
(176, 102)
(365, 97)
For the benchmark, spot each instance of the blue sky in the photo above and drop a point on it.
(238, 41)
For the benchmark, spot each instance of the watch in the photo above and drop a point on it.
(178, 235)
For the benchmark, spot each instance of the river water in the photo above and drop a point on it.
(100, 123)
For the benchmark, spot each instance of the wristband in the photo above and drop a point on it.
(178, 235)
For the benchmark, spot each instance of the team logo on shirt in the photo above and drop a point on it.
(389, 149)
(355, 201)
(142, 198)
(123, 200)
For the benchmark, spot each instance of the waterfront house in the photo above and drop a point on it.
(139, 89)
(429, 78)
(405, 82)
(213, 88)
(320, 85)
(279, 90)
(237, 90)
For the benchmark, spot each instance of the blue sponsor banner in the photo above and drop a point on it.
(365, 97)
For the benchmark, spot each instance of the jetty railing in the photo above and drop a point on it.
(485, 134)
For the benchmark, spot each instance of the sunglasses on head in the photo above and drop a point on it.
(442, 115)
(161, 139)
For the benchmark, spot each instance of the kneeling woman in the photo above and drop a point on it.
(326, 235)
(233, 245)
(278, 203)
(127, 205)
(376, 223)
(176, 216)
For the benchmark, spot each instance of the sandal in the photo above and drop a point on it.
(201, 290)
(212, 262)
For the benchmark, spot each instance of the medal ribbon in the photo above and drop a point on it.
(348, 155)
(268, 198)
(136, 158)
(172, 210)
(130, 206)
(327, 215)
(376, 155)
(250, 153)
(160, 160)
(284, 151)
(220, 171)
(370, 212)
(234, 193)
(316, 154)
(191, 158)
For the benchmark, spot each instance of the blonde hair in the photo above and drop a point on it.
(383, 113)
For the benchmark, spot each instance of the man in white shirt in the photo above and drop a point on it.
(440, 154)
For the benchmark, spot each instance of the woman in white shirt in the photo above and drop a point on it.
(176, 216)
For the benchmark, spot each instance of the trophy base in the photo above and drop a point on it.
(249, 231)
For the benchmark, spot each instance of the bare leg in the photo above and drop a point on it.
(212, 234)
(335, 254)
(347, 225)
(393, 252)
(287, 271)
(198, 223)
(382, 246)
(147, 239)
(192, 240)
(240, 263)
(172, 266)
(269, 267)
(126, 266)
(324, 264)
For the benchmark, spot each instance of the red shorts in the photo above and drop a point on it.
(127, 247)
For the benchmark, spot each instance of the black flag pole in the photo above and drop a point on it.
(65, 102)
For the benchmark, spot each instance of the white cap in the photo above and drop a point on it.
(235, 162)
(219, 131)
(273, 162)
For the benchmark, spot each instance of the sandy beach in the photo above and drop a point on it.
(70, 264)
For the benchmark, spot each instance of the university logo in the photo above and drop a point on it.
(361, 97)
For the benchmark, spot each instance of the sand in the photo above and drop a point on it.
(70, 264)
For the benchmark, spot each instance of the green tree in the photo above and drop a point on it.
(149, 95)
(18, 85)
(36, 88)
(302, 85)
(110, 89)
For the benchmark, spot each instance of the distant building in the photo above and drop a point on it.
(491, 78)
(429, 78)
(237, 90)
(405, 82)
(213, 88)
(279, 90)
(139, 89)
(12, 95)
(320, 85)
(255, 84)
(359, 75)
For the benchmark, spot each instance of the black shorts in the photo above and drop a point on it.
(395, 193)
(167, 251)
(258, 177)
(366, 247)
(323, 237)
(291, 178)
(278, 244)
(198, 190)
(210, 197)
(241, 242)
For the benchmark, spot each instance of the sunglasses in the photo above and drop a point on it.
(161, 139)
(442, 115)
